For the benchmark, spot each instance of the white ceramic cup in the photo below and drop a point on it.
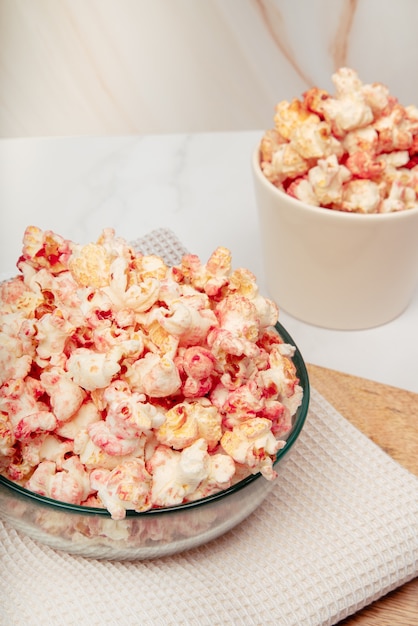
(335, 269)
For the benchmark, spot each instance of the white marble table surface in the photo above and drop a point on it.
(199, 186)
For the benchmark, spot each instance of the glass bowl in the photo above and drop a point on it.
(91, 532)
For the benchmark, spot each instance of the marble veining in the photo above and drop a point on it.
(109, 67)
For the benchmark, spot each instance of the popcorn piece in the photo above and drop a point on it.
(400, 197)
(220, 474)
(94, 456)
(179, 476)
(349, 109)
(361, 140)
(197, 365)
(80, 420)
(321, 147)
(365, 165)
(19, 399)
(211, 277)
(52, 333)
(189, 318)
(327, 180)
(395, 130)
(129, 385)
(361, 196)
(252, 444)
(315, 141)
(93, 370)
(102, 436)
(302, 189)
(14, 362)
(91, 266)
(286, 162)
(128, 414)
(45, 249)
(126, 487)
(65, 396)
(290, 116)
(71, 484)
(270, 144)
(155, 376)
(7, 439)
(137, 297)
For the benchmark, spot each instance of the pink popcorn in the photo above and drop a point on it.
(237, 370)
(48, 447)
(377, 96)
(196, 365)
(127, 413)
(400, 197)
(349, 109)
(323, 146)
(154, 375)
(45, 249)
(365, 165)
(126, 487)
(80, 420)
(361, 196)
(286, 162)
(102, 436)
(315, 141)
(252, 444)
(94, 456)
(361, 140)
(241, 403)
(7, 439)
(327, 179)
(14, 362)
(395, 131)
(209, 278)
(238, 315)
(52, 332)
(125, 384)
(188, 318)
(38, 421)
(19, 399)
(93, 370)
(301, 189)
(71, 484)
(177, 475)
(189, 474)
(290, 116)
(136, 297)
(220, 475)
(64, 395)
(269, 144)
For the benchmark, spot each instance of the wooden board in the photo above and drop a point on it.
(388, 416)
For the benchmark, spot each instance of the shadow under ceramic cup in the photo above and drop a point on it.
(334, 269)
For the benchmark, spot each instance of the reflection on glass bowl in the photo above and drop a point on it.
(91, 532)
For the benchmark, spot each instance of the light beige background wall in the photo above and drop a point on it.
(135, 66)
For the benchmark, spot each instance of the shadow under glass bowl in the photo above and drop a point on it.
(91, 532)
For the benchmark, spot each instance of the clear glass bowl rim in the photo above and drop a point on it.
(299, 422)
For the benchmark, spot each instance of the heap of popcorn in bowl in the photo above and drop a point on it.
(126, 384)
(355, 151)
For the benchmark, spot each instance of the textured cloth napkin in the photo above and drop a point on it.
(338, 530)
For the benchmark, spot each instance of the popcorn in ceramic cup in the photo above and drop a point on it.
(336, 184)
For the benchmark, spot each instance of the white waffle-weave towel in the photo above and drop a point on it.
(338, 531)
